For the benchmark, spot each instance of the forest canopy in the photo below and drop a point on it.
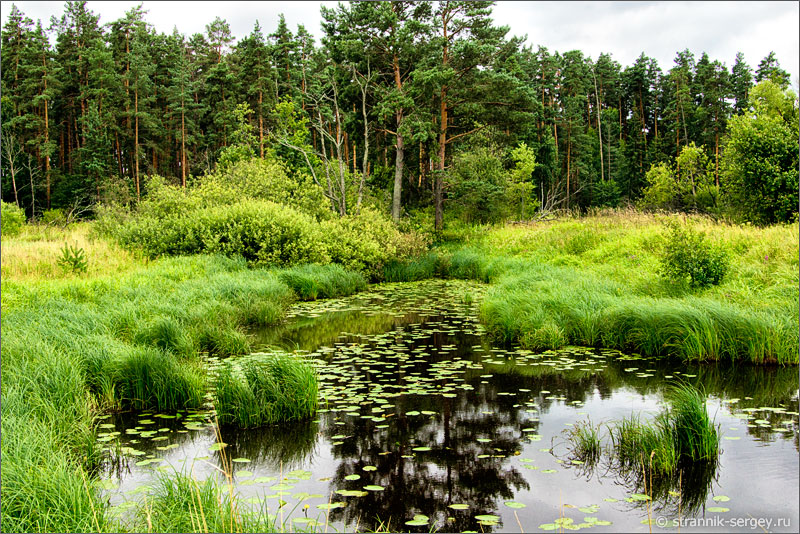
(407, 108)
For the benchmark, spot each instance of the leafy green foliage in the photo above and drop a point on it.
(478, 189)
(688, 256)
(688, 185)
(252, 210)
(55, 217)
(520, 189)
(760, 162)
(73, 259)
(12, 218)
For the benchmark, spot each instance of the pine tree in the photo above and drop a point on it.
(770, 69)
(741, 80)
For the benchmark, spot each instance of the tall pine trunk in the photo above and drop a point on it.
(136, 143)
(400, 152)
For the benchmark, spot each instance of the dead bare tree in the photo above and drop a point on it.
(553, 198)
(327, 123)
(12, 149)
(363, 81)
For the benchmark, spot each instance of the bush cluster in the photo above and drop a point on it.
(252, 213)
(688, 256)
(12, 218)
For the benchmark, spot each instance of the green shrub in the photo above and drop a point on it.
(688, 256)
(54, 216)
(263, 233)
(364, 242)
(12, 218)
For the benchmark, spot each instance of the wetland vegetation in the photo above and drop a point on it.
(235, 327)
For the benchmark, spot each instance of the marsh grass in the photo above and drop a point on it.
(681, 435)
(548, 307)
(264, 389)
(312, 282)
(678, 449)
(585, 439)
(181, 503)
(430, 265)
(75, 346)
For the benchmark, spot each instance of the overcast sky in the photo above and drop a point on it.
(622, 29)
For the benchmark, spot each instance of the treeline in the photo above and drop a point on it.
(405, 104)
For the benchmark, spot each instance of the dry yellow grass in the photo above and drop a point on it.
(33, 255)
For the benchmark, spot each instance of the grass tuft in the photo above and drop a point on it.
(264, 389)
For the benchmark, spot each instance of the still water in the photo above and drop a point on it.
(425, 425)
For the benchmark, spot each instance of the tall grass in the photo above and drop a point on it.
(74, 347)
(33, 254)
(546, 307)
(263, 389)
(695, 435)
(677, 450)
(585, 439)
(311, 282)
(679, 436)
(180, 503)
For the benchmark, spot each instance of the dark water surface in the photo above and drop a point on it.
(437, 422)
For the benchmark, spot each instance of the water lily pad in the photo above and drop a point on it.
(718, 509)
(640, 497)
(487, 517)
(514, 504)
(418, 521)
(352, 477)
(330, 506)
(373, 487)
(548, 526)
(459, 506)
(369, 468)
(241, 460)
(351, 493)
(244, 473)
(721, 498)
(421, 449)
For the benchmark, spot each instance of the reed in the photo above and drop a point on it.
(264, 389)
